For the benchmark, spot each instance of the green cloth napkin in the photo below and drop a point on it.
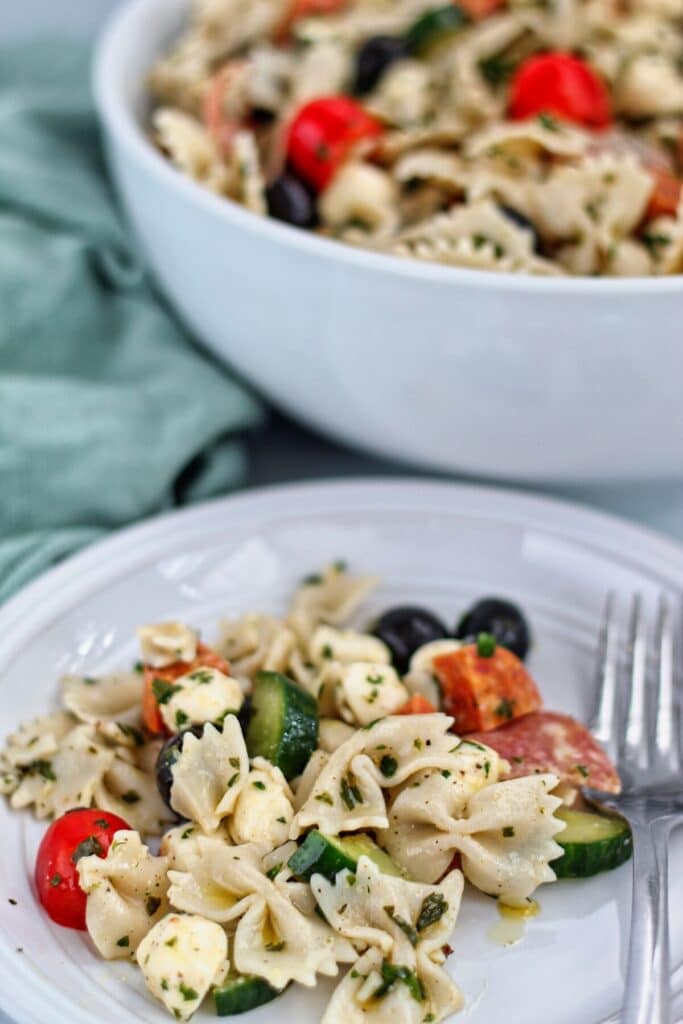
(108, 413)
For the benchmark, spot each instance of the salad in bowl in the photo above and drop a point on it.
(526, 136)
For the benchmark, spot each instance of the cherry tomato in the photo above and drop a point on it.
(666, 194)
(323, 135)
(563, 85)
(151, 716)
(76, 834)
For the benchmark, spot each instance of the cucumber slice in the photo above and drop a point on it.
(242, 993)
(283, 726)
(591, 843)
(320, 854)
(435, 27)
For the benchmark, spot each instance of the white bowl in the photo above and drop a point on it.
(508, 376)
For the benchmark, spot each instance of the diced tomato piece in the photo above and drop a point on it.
(480, 9)
(151, 716)
(325, 133)
(482, 693)
(666, 194)
(417, 705)
(561, 85)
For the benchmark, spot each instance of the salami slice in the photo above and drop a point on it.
(546, 741)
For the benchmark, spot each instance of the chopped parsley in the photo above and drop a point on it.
(233, 779)
(56, 880)
(203, 676)
(314, 580)
(163, 691)
(350, 793)
(124, 941)
(374, 680)
(187, 993)
(152, 904)
(496, 70)
(582, 770)
(392, 973)
(88, 848)
(388, 766)
(188, 832)
(132, 733)
(43, 768)
(446, 774)
(506, 709)
(327, 652)
(173, 941)
(273, 872)
(548, 122)
(655, 241)
(486, 645)
(406, 927)
(432, 910)
(325, 798)
(487, 768)
(275, 947)
(259, 785)
(180, 718)
(508, 832)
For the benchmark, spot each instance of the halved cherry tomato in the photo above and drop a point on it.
(666, 194)
(417, 705)
(323, 135)
(151, 716)
(78, 833)
(562, 85)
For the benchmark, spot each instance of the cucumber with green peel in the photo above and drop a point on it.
(434, 28)
(320, 854)
(242, 993)
(592, 843)
(283, 726)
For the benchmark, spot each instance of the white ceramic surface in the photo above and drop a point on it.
(434, 543)
(454, 369)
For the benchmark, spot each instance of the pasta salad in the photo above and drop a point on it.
(523, 136)
(304, 800)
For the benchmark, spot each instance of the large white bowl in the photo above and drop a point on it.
(518, 377)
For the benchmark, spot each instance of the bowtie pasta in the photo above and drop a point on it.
(322, 825)
(521, 136)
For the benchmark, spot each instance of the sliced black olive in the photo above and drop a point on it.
(523, 222)
(168, 755)
(374, 57)
(290, 201)
(502, 619)
(403, 630)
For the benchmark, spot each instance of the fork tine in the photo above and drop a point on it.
(604, 722)
(635, 746)
(667, 751)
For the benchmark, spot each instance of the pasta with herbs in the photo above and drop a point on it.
(508, 135)
(318, 816)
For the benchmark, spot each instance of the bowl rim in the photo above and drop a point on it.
(108, 74)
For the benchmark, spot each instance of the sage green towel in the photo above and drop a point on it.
(108, 413)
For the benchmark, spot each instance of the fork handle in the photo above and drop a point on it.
(647, 997)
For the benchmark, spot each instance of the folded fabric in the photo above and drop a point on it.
(108, 411)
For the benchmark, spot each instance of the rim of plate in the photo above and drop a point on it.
(116, 113)
(113, 558)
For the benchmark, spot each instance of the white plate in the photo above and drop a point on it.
(440, 544)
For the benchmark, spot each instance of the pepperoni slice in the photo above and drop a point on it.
(546, 741)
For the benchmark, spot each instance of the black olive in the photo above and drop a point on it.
(502, 619)
(168, 755)
(403, 630)
(523, 222)
(290, 201)
(373, 59)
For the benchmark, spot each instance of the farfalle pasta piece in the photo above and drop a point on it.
(130, 791)
(256, 643)
(111, 699)
(405, 926)
(165, 643)
(272, 938)
(126, 895)
(192, 150)
(209, 774)
(331, 597)
(348, 793)
(181, 958)
(505, 838)
(25, 761)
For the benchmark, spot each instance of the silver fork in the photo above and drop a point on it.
(640, 730)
